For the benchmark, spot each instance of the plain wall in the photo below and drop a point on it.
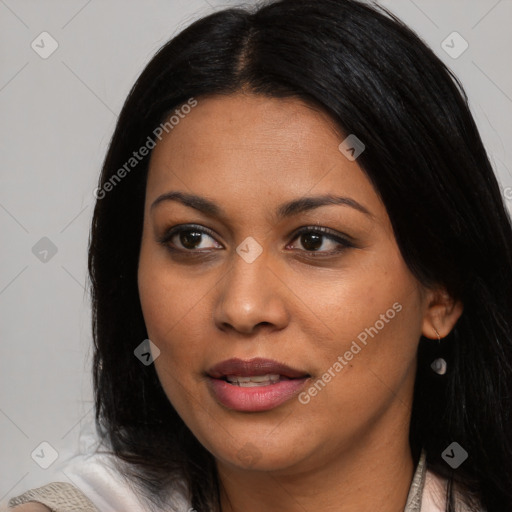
(57, 116)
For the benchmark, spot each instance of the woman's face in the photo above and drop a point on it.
(344, 318)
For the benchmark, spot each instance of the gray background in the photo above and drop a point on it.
(57, 117)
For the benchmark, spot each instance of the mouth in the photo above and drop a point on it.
(259, 369)
(255, 380)
(254, 385)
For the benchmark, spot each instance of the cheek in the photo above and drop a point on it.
(375, 325)
(377, 306)
(168, 299)
(175, 312)
(362, 381)
(167, 305)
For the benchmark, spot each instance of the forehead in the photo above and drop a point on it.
(253, 148)
(248, 123)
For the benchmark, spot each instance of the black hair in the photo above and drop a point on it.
(423, 154)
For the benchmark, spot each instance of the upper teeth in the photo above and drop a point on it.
(254, 380)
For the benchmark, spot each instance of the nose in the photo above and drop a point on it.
(250, 297)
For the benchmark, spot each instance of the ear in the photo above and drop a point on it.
(441, 313)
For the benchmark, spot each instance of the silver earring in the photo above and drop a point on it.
(439, 365)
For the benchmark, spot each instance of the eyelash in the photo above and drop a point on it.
(325, 232)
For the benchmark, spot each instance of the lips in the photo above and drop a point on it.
(253, 367)
(255, 385)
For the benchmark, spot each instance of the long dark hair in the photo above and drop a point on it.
(425, 158)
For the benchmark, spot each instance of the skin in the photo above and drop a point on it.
(346, 450)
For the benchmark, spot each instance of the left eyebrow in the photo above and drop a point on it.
(309, 203)
(285, 210)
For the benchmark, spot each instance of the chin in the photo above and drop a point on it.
(248, 453)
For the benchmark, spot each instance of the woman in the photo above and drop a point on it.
(297, 210)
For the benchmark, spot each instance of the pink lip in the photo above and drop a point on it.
(256, 366)
(254, 399)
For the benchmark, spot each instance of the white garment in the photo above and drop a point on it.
(97, 477)
(434, 492)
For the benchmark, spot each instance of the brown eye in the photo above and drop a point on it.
(189, 238)
(313, 239)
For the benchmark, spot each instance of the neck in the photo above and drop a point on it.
(365, 476)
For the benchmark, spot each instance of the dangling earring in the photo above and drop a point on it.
(439, 365)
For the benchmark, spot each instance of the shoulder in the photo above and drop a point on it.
(58, 496)
(96, 486)
(90, 481)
